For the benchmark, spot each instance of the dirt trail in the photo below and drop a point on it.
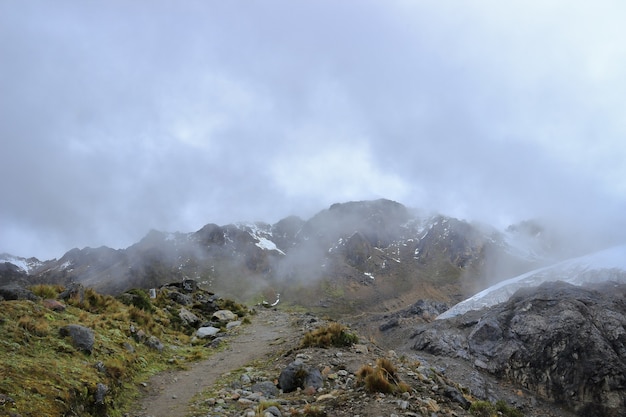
(169, 393)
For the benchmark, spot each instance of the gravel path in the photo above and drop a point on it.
(169, 393)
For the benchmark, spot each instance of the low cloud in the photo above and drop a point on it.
(122, 117)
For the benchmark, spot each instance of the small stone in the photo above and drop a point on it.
(53, 305)
(360, 349)
(245, 401)
(325, 397)
(480, 364)
(101, 391)
(272, 411)
(233, 324)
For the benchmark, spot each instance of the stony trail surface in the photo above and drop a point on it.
(170, 393)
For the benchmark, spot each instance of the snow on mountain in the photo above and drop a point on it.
(262, 234)
(23, 264)
(606, 265)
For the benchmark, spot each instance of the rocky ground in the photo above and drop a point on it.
(245, 379)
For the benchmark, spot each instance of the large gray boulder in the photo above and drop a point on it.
(565, 343)
(82, 337)
(224, 316)
(17, 292)
(298, 375)
(207, 331)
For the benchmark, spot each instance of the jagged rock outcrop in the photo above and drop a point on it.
(565, 343)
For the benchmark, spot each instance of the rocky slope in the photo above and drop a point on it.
(565, 343)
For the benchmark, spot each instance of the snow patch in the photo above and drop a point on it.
(261, 235)
(23, 264)
(267, 244)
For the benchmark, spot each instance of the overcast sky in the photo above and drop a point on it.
(117, 117)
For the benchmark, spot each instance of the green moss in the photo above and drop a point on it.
(487, 409)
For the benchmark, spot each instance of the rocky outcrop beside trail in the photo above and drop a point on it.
(565, 343)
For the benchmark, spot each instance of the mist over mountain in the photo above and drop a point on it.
(365, 252)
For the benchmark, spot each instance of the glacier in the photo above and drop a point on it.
(605, 265)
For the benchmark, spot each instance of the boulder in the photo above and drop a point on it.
(233, 324)
(100, 394)
(53, 305)
(83, 338)
(189, 285)
(17, 292)
(272, 411)
(224, 315)
(267, 388)
(180, 298)
(208, 331)
(154, 343)
(76, 291)
(298, 375)
(188, 317)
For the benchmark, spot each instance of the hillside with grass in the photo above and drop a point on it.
(75, 352)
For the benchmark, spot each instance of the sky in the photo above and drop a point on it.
(119, 117)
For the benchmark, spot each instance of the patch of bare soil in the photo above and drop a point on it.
(169, 393)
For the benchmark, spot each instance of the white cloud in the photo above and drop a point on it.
(339, 171)
(118, 118)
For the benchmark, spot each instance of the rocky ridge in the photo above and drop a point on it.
(351, 255)
(563, 342)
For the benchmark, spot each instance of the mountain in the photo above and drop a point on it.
(606, 265)
(354, 255)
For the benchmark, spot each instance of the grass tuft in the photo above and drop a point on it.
(383, 378)
(335, 335)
